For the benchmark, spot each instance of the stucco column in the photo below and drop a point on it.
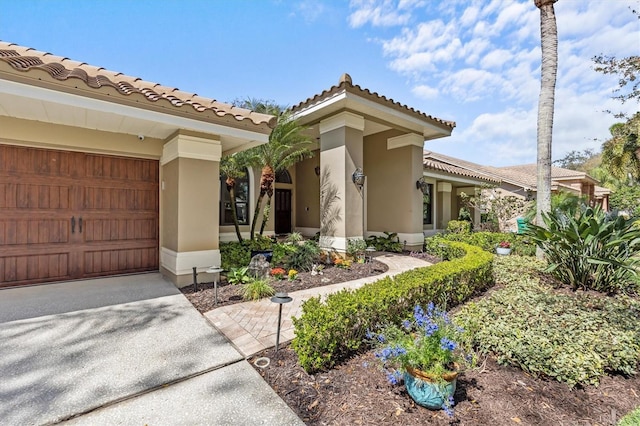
(341, 152)
(404, 207)
(189, 206)
(444, 198)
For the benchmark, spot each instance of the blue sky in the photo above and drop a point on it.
(476, 62)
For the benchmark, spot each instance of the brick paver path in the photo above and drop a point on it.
(252, 326)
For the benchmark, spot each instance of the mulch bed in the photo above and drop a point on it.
(357, 393)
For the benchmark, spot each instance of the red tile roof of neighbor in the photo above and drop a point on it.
(448, 168)
(59, 69)
(347, 85)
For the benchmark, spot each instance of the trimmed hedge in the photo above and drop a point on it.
(488, 241)
(330, 331)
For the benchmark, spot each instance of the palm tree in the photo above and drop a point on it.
(621, 153)
(232, 167)
(549, 70)
(287, 145)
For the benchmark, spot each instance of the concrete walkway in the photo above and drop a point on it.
(123, 350)
(252, 326)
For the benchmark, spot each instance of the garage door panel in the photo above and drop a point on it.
(103, 230)
(29, 269)
(118, 261)
(33, 232)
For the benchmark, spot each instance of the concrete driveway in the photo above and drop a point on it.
(120, 351)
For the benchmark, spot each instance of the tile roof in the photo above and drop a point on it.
(29, 61)
(448, 168)
(346, 85)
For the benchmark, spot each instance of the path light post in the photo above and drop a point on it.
(280, 299)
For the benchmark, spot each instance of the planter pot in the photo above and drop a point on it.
(428, 391)
(503, 251)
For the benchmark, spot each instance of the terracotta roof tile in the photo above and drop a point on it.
(448, 168)
(26, 59)
(346, 85)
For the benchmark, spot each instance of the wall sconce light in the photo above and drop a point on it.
(422, 186)
(317, 170)
(358, 178)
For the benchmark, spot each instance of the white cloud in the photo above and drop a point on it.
(425, 92)
(310, 11)
(381, 13)
(496, 58)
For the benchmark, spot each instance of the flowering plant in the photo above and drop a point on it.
(278, 273)
(504, 244)
(429, 343)
(342, 263)
(293, 274)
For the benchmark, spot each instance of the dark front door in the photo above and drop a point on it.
(283, 211)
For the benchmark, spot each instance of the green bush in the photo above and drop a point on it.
(389, 242)
(488, 241)
(235, 254)
(459, 227)
(590, 250)
(572, 338)
(330, 331)
(303, 256)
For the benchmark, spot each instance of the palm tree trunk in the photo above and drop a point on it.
(231, 187)
(265, 215)
(549, 69)
(256, 213)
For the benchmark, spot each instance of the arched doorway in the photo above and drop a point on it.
(282, 207)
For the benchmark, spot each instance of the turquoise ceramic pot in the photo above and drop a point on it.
(429, 394)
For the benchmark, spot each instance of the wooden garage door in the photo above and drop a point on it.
(69, 215)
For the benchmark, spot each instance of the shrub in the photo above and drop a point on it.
(589, 250)
(488, 241)
(302, 257)
(235, 254)
(459, 227)
(238, 275)
(572, 338)
(356, 247)
(389, 242)
(331, 330)
(257, 289)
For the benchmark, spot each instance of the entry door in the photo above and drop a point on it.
(69, 215)
(283, 211)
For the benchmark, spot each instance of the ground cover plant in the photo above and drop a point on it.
(573, 338)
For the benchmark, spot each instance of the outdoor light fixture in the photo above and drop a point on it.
(317, 170)
(280, 299)
(358, 178)
(423, 186)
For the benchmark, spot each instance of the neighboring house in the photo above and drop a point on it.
(521, 181)
(102, 173)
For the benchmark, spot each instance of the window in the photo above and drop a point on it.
(242, 200)
(283, 176)
(427, 206)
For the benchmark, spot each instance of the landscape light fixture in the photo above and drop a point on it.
(280, 299)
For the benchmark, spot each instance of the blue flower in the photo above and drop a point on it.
(430, 328)
(447, 344)
(447, 406)
(406, 324)
(369, 335)
(365, 364)
(391, 378)
(381, 338)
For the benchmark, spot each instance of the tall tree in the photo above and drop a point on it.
(287, 145)
(549, 70)
(621, 153)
